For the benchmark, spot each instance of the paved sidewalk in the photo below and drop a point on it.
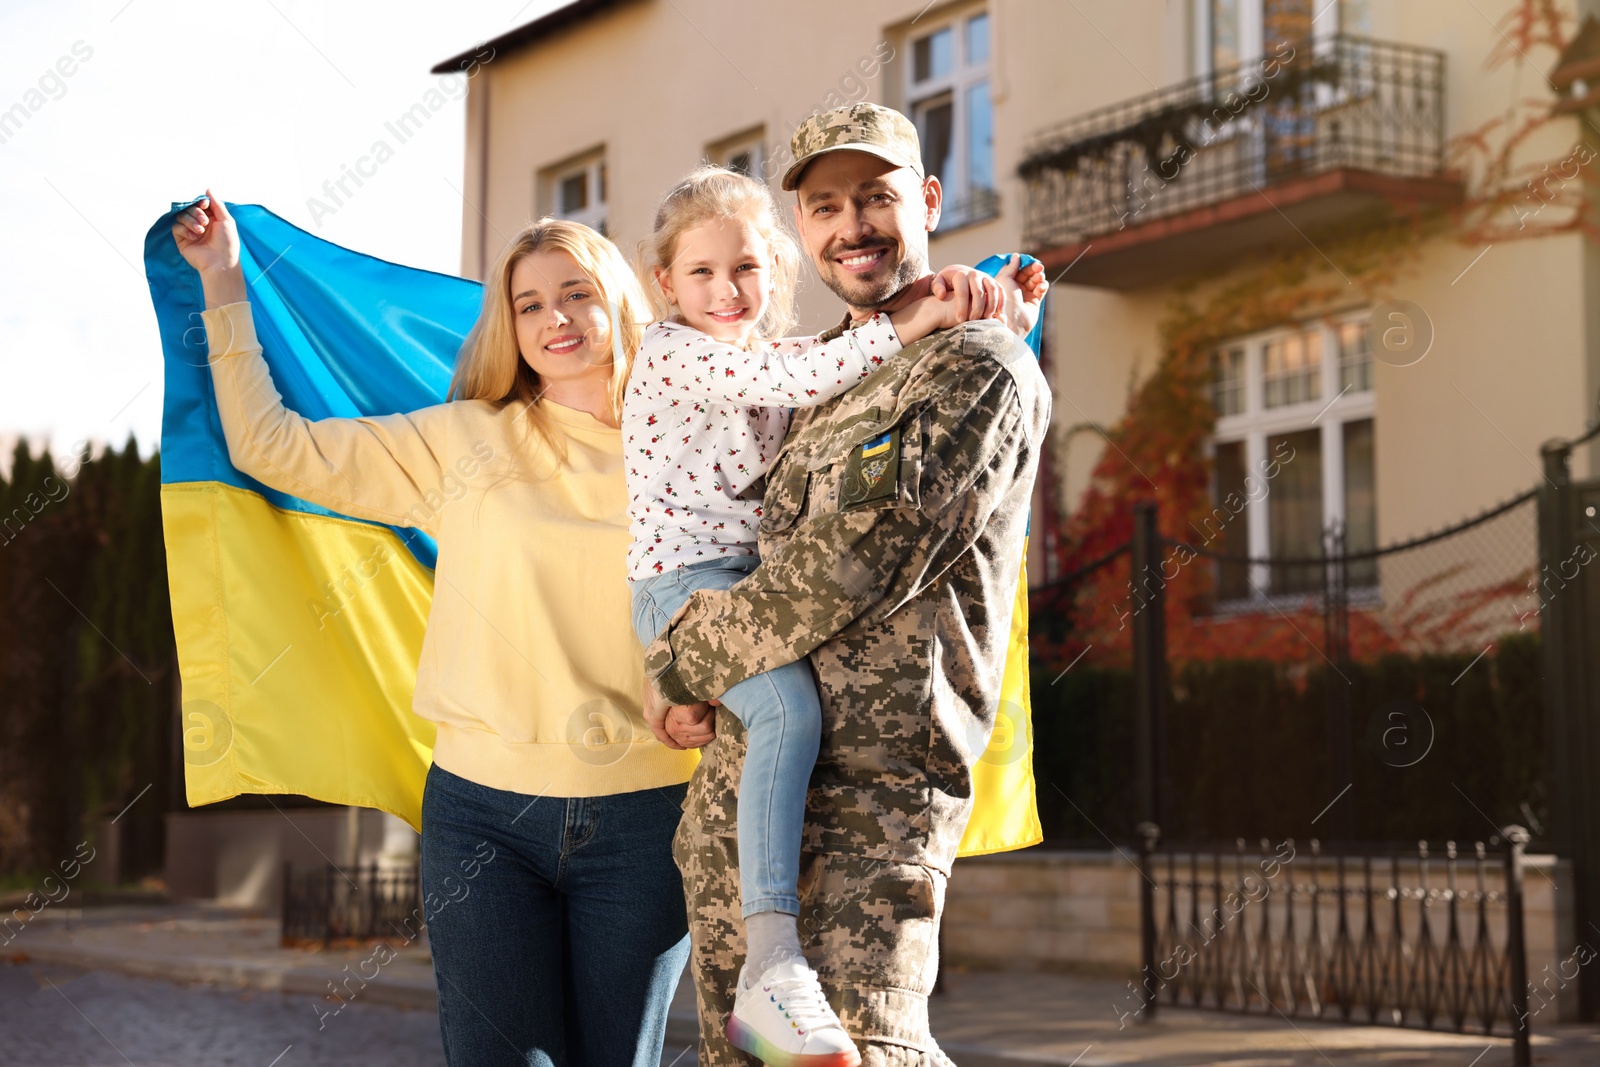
(984, 1019)
(222, 947)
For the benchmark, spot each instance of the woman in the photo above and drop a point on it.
(554, 909)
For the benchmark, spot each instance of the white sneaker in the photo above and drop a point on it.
(784, 1020)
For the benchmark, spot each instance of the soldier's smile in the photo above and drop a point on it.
(860, 262)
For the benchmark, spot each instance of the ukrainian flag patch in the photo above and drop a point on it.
(872, 472)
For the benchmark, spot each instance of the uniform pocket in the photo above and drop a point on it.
(786, 499)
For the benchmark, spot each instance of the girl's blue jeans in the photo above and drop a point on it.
(783, 724)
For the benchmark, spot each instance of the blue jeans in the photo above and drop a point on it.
(557, 924)
(783, 725)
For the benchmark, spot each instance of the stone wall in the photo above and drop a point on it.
(1058, 910)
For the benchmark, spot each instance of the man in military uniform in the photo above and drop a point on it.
(891, 542)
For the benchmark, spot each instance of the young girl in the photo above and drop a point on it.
(705, 412)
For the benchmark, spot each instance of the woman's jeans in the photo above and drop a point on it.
(557, 924)
(783, 724)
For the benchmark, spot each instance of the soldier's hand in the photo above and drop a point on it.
(655, 708)
(691, 725)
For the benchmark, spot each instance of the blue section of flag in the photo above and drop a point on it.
(992, 267)
(344, 334)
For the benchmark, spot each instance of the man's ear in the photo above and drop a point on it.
(932, 201)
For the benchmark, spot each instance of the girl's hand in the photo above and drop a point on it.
(973, 293)
(208, 239)
(1024, 290)
(957, 294)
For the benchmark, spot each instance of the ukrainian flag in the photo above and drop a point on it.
(1005, 812)
(299, 629)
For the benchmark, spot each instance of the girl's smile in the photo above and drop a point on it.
(720, 279)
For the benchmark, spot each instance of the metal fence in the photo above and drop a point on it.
(1339, 101)
(322, 904)
(1454, 589)
(1389, 936)
(1286, 693)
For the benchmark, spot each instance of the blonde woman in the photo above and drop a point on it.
(565, 933)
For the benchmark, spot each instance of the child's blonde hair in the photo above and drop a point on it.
(491, 366)
(710, 193)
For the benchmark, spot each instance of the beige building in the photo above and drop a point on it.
(1148, 152)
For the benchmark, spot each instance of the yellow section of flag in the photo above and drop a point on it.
(298, 638)
(1005, 812)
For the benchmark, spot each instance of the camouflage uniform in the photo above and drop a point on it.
(891, 541)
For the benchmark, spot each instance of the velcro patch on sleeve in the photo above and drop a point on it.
(873, 471)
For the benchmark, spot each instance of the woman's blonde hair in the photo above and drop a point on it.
(491, 367)
(710, 193)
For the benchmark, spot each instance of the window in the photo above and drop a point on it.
(1234, 39)
(743, 153)
(1227, 374)
(576, 190)
(1292, 372)
(1292, 453)
(949, 102)
(1232, 32)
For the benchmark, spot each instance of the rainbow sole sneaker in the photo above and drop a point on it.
(784, 1020)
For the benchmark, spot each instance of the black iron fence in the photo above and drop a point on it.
(1305, 108)
(1410, 938)
(1390, 694)
(1374, 678)
(356, 903)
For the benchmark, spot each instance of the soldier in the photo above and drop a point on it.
(891, 541)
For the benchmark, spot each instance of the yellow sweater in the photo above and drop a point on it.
(529, 666)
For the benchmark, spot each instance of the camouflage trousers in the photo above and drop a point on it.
(869, 928)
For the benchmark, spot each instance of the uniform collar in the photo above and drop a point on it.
(847, 323)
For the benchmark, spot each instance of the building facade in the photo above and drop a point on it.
(1156, 155)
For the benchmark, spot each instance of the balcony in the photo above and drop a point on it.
(1250, 159)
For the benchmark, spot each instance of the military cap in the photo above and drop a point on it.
(863, 127)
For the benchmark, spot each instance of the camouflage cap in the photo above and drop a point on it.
(864, 127)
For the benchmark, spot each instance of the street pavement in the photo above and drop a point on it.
(174, 985)
(61, 1016)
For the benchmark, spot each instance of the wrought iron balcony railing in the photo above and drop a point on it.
(1307, 108)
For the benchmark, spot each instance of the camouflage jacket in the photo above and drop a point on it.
(891, 541)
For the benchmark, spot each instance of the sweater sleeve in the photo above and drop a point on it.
(377, 468)
(795, 372)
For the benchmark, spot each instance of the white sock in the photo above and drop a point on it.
(772, 937)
